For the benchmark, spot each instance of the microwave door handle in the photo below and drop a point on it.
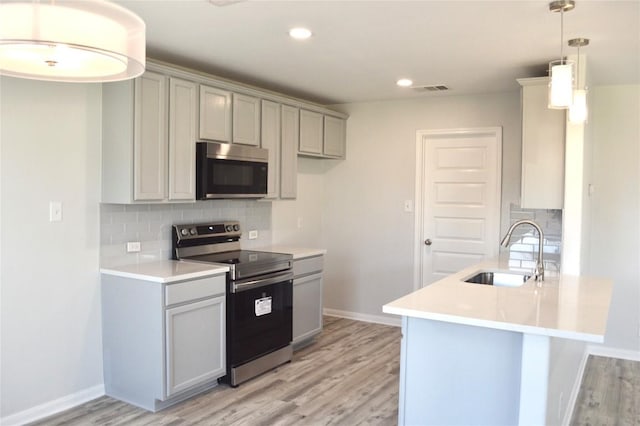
(272, 279)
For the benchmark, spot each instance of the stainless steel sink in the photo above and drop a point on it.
(504, 279)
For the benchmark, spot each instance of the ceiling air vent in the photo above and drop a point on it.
(224, 2)
(433, 88)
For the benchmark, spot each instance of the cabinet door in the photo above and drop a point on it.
(289, 152)
(543, 133)
(182, 139)
(271, 140)
(215, 114)
(307, 307)
(246, 120)
(310, 132)
(195, 344)
(150, 137)
(334, 136)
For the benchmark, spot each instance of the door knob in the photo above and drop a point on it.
(427, 242)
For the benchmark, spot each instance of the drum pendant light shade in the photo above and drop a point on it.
(561, 71)
(578, 111)
(71, 40)
(560, 84)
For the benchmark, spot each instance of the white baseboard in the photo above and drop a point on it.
(575, 390)
(377, 319)
(52, 407)
(599, 350)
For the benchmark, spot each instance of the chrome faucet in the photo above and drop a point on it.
(539, 272)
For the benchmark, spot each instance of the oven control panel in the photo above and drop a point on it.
(205, 230)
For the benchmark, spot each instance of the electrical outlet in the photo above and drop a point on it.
(55, 211)
(133, 246)
(253, 234)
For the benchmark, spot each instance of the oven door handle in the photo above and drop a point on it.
(267, 280)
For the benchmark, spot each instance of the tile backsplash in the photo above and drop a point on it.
(150, 224)
(523, 250)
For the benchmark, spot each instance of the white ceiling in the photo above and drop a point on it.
(360, 48)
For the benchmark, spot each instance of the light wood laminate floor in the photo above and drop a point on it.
(349, 376)
(609, 394)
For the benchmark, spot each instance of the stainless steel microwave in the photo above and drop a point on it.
(226, 170)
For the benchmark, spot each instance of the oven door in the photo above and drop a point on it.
(259, 317)
(227, 177)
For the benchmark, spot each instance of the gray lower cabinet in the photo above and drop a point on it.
(195, 351)
(307, 300)
(162, 343)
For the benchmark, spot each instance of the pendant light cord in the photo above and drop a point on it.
(578, 71)
(561, 35)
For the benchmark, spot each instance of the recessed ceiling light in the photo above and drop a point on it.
(404, 82)
(300, 33)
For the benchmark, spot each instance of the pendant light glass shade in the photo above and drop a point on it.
(71, 40)
(560, 84)
(578, 111)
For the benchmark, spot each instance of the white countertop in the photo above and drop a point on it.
(297, 252)
(572, 307)
(166, 271)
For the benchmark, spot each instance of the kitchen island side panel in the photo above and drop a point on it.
(458, 375)
(132, 324)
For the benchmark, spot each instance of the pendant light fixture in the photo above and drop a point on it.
(561, 70)
(578, 111)
(71, 40)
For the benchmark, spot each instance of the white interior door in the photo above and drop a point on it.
(458, 197)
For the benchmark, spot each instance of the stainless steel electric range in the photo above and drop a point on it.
(259, 296)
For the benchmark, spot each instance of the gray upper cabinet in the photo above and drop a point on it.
(321, 135)
(290, 130)
(271, 141)
(334, 137)
(311, 133)
(150, 137)
(148, 146)
(543, 134)
(215, 114)
(150, 126)
(246, 120)
(182, 138)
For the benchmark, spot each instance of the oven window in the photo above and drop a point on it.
(255, 329)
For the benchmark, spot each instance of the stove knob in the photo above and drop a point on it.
(236, 228)
(184, 232)
(193, 231)
(229, 228)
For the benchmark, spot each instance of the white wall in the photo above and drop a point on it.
(368, 235)
(51, 339)
(615, 207)
(299, 222)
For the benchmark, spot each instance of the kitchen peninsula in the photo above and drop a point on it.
(479, 354)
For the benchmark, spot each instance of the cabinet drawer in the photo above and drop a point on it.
(195, 289)
(307, 265)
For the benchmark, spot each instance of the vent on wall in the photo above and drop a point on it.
(224, 2)
(433, 88)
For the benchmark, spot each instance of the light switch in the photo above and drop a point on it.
(55, 211)
(408, 206)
